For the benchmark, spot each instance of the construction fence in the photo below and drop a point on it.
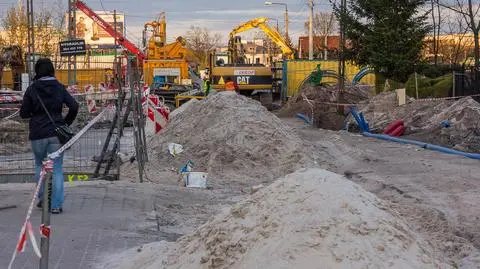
(91, 70)
(16, 157)
(295, 72)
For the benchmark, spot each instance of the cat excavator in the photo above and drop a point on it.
(251, 78)
(234, 47)
(12, 56)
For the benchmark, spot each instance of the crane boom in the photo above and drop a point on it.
(272, 33)
(110, 30)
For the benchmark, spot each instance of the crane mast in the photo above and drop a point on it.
(121, 40)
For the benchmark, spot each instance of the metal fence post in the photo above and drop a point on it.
(416, 85)
(454, 79)
(45, 226)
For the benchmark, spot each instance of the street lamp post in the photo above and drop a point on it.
(276, 20)
(267, 3)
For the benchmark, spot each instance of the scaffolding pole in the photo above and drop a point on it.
(30, 40)
(72, 59)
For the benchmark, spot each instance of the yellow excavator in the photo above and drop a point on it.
(261, 23)
(251, 78)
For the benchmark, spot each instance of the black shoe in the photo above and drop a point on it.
(40, 204)
(57, 210)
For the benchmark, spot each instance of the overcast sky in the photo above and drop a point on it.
(216, 15)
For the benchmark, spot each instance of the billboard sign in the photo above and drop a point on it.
(92, 33)
(72, 47)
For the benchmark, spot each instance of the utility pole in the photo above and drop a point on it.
(72, 59)
(268, 3)
(341, 65)
(310, 32)
(31, 39)
(286, 23)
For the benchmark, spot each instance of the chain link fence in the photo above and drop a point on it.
(16, 157)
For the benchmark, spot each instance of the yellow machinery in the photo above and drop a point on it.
(12, 56)
(165, 64)
(249, 77)
(260, 23)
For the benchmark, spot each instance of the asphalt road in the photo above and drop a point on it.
(103, 218)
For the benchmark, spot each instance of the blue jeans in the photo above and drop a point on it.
(41, 148)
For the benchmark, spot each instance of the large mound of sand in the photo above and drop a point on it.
(310, 219)
(232, 137)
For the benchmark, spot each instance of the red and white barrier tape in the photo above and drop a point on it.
(9, 108)
(416, 100)
(27, 226)
(74, 139)
(445, 98)
(336, 104)
(46, 167)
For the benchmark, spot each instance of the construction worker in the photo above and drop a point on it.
(230, 85)
(207, 87)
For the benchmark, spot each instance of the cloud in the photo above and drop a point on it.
(248, 12)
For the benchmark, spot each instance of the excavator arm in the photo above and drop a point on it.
(273, 34)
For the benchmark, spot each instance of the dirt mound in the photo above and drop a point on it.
(232, 137)
(383, 108)
(13, 137)
(309, 218)
(324, 115)
(423, 120)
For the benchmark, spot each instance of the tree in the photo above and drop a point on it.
(201, 41)
(470, 13)
(385, 35)
(324, 24)
(459, 47)
(437, 25)
(48, 29)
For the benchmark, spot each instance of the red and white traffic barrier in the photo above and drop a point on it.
(10, 98)
(157, 114)
(91, 104)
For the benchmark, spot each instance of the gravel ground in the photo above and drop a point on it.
(437, 193)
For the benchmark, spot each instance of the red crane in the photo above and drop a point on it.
(121, 40)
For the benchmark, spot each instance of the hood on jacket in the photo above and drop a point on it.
(46, 88)
(44, 68)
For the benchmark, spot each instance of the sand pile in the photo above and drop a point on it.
(308, 219)
(423, 120)
(324, 116)
(232, 137)
(383, 108)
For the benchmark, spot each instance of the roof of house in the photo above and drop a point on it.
(333, 42)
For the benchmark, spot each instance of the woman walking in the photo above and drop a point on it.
(47, 89)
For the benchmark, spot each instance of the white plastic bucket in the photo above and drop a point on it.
(196, 179)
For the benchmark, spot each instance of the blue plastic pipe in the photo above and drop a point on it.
(304, 118)
(364, 129)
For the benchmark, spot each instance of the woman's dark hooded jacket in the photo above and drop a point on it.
(54, 96)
